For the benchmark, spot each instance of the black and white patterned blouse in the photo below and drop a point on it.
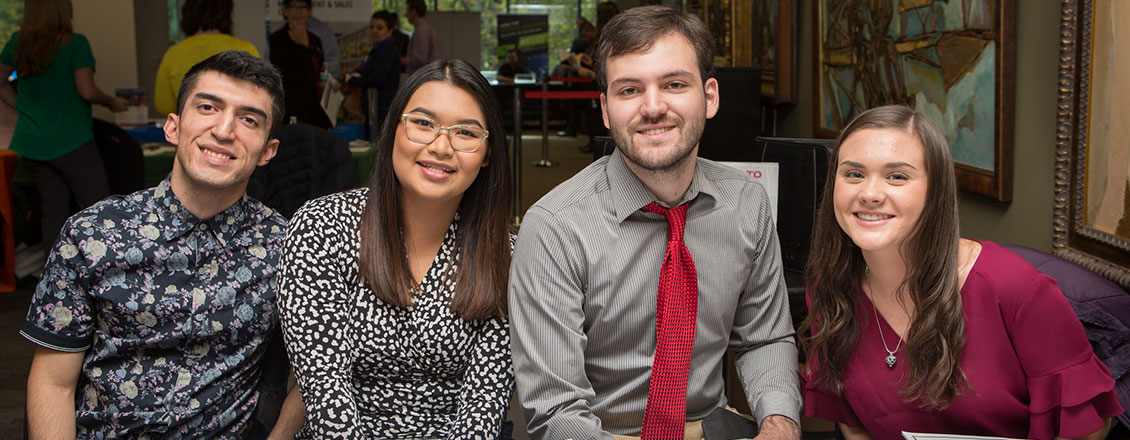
(368, 369)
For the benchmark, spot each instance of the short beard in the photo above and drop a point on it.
(692, 132)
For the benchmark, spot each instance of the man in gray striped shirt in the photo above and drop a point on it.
(586, 266)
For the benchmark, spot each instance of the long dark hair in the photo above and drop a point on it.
(483, 244)
(46, 25)
(835, 271)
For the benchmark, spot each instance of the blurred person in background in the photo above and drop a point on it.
(297, 52)
(208, 24)
(424, 46)
(604, 12)
(329, 45)
(511, 68)
(381, 70)
(56, 88)
(400, 37)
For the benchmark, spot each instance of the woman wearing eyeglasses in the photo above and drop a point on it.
(393, 297)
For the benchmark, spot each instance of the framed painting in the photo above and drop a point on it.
(1091, 224)
(950, 60)
(771, 37)
(752, 33)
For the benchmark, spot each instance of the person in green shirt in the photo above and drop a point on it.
(55, 90)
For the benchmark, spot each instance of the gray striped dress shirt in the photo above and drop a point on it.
(583, 285)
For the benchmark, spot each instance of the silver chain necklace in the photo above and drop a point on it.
(891, 359)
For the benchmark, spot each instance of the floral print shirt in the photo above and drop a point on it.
(173, 313)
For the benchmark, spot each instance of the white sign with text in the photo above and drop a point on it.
(333, 10)
(765, 173)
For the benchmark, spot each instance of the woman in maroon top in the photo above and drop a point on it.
(915, 329)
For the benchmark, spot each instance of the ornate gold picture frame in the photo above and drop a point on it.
(1091, 224)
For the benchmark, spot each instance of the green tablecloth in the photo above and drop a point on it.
(159, 162)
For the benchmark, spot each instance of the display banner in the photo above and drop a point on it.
(765, 173)
(529, 35)
(358, 11)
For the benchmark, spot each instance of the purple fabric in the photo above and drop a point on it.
(1032, 373)
(1101, 305)
(1077, 282)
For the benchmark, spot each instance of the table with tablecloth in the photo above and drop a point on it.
(159, 161)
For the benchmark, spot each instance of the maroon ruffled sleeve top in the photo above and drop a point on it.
(1031, 371)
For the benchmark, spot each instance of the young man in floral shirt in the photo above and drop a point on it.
(155, 308)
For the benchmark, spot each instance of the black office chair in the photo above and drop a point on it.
(311, 162)
(803, 170)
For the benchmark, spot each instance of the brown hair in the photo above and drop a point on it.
(636, 29)
(206, 15)
(419, 7)
(604, 12)
(835, 270)
(387, 17)
(483, 243)
(45, 26)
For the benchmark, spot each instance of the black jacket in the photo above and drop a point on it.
(310, 163)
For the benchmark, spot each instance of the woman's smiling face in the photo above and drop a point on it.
(880, 187)
(436, 171)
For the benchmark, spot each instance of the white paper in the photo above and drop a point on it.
(331, 101)
(929, 436)
(765, 173)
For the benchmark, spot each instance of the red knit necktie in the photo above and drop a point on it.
(676, 310)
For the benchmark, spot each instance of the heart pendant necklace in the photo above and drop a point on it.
(891, 359)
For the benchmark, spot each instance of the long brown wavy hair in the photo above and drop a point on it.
(46, 25)
(483, 243)
(836, 267)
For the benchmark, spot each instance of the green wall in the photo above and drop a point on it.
(1027, 220)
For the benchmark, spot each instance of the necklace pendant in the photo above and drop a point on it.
(891, 360)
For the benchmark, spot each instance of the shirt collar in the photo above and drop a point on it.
(630, 195)
(177, 221)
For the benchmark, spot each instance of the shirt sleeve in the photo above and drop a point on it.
(8, 55)
(313, 306)
(332, 51)
(547, 331)
(763, 337)
(422, 48)
(821, 403)
(61, 312)
(417, 52)
(381, 61)
(488, 385)
(434, 50)
(818, 401)
(83, 56)
(1070, 389)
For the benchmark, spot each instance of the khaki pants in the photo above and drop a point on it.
(693, 430)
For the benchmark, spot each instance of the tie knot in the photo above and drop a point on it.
(676, 218)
